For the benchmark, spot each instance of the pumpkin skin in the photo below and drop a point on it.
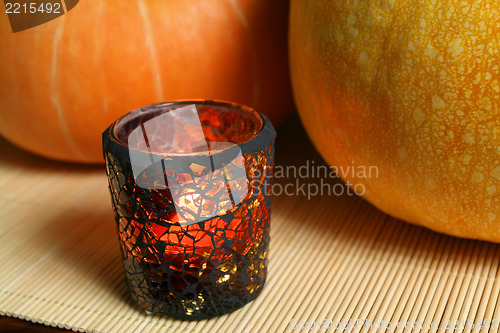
(63, 82)
(412, 88)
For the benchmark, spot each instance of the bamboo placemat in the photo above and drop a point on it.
(332, 259)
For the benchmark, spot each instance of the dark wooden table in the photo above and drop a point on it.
(8, 324)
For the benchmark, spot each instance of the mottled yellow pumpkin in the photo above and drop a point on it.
(411, 87)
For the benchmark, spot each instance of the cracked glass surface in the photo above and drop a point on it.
(193, 220)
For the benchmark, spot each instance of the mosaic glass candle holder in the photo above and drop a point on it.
(190, 184)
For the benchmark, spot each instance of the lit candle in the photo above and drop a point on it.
(190, 186)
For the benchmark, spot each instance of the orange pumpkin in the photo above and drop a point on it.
(411, 88)
(63, 82)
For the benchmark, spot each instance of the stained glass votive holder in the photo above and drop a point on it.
(190, 183)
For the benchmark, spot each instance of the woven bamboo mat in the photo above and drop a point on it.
(333, 259)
